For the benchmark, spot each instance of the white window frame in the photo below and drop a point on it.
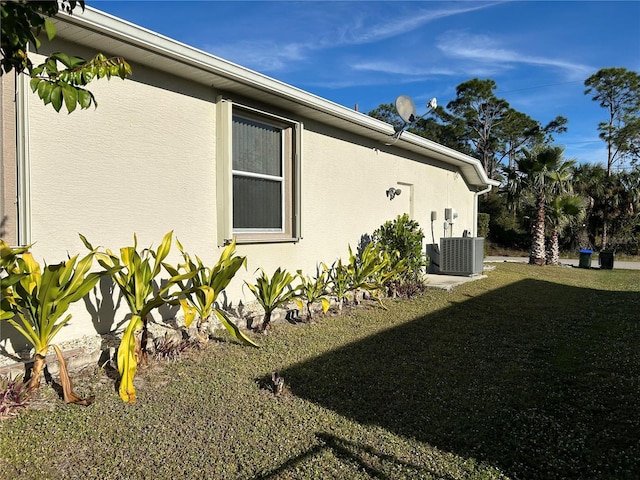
(289, 230)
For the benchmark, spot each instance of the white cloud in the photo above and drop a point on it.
(396, 68)
(487, 50)
(262, 56)
(364, 32)
(348, 28)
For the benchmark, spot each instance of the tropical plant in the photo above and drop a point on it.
(338, 281)
(206, 285)
(368, 271)
(14, 395)
(272, 293)
(169, 347)
(539, 170)
(561, 210)
(313, 290)
(34, 300)
(135, 275)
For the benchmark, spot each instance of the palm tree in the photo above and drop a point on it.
(541, 169)
(588, 182)
(561, 210)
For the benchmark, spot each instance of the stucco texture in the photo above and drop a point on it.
(144, 162)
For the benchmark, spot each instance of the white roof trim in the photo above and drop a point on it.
(203, 67)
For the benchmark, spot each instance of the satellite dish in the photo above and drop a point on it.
(406, 108)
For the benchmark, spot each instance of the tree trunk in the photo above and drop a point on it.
(554, 249)
(605, 233)
(266, 322)
(39, 363)
(537, 255)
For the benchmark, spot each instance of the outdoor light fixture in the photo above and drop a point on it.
(393, 192)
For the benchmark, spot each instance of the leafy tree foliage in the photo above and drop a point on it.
(618, 91)
(479, 124)
(484, 115)
(539, 170)
(562, 209)
(484, 126)
(387, 113)
(61, 78)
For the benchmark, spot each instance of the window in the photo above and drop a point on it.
(262, 174)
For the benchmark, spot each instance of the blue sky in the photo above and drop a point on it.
(368, 53)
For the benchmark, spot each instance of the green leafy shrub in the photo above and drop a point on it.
(483, 224)
(483, 229)
(402, 241)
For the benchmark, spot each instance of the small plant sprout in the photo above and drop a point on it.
(272, 293)
(14, 396)
(338, 281)
(313, 290)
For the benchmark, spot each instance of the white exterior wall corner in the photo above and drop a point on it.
(144, 162)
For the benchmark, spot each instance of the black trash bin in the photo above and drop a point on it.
(605, 259)
(585, 258)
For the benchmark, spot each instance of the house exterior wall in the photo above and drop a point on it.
(144, 162)
(8, 165)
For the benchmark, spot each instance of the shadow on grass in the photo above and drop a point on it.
(350, 452)
(538, 379)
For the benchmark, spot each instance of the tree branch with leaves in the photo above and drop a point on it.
(61, 78)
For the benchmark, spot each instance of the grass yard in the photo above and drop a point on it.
(532, 373)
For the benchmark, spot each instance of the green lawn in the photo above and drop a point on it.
(532, 373)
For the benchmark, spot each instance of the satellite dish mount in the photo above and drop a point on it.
(406, 110)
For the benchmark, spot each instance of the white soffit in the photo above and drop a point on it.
(114, 36)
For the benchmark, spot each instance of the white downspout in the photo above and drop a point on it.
(22, 154)
(475, 208)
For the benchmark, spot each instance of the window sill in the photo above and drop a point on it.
(245, 240)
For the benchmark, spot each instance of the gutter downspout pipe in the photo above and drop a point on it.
(475, 207)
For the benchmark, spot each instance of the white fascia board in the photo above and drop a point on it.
(120, 30)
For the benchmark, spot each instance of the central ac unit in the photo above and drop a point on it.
(462, 255)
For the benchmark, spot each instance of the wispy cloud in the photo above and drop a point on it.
(404, 69)
(262, 56)
(488, 50)
(418, 70)
(350, 28)
(365, 32)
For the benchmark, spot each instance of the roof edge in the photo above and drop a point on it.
(107, 24)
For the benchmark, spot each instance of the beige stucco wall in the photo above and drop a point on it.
(144, 162)
(8, 166)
